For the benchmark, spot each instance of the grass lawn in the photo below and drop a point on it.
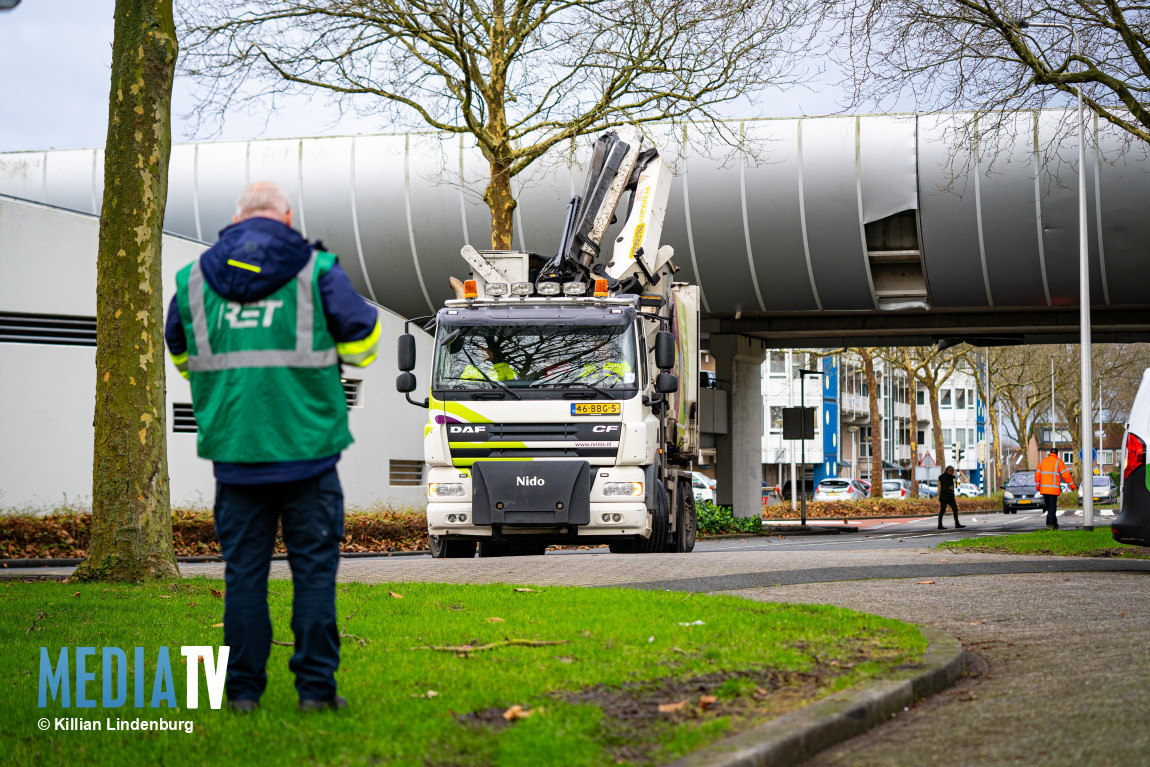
(593, 698)
(1070, 543)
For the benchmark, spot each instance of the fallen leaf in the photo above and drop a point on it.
(924, 583)
(76, 594)
(650, 639)
(1123, 615)
(517, 712)
(162, 596)
(430, 694)
(217, 625)
(679, 650)
(217, 593)
(978, 623)
(493, 619)
(533, 591)
(395, 596)
(707, 701)
(693, 623)
(668, 708)
(565, 659)
(191, 604)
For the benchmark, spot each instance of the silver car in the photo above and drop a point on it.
(840, 490)
(895, 488)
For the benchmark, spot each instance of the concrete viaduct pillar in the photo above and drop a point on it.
(739, 453)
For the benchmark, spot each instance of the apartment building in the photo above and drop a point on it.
(842, 443)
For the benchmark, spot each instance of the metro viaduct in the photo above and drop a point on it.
(844, 231)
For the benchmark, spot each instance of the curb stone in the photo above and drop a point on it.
(801, 734)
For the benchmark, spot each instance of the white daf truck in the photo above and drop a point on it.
(563, 406)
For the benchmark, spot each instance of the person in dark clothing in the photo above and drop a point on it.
(946, 497)
(260, 325)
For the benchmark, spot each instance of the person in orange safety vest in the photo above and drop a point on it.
(1047, 477)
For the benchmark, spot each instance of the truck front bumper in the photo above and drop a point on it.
(444, 518)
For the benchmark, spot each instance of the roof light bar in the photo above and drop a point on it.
(574, 288)
(548, 288)
(522, 289)
(495, 288)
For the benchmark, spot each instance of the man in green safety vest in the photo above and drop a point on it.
(494, 370)
(260, 324)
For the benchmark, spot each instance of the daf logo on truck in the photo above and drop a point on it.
(529, 482)
(466, 429)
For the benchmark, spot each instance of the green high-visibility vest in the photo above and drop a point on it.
(264, 374)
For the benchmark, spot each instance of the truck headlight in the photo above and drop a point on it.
(445, 490)
(1007, 494)
(631, 489)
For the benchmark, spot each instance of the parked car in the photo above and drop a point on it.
(1020, 492)
(928, 488)
(1105, 491)
(895, 488)
(967, 490)
(1132, 525)
(703, 487)
(841, 490)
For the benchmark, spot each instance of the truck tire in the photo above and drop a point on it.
(660, 525)
(449, 549)
(686, 522)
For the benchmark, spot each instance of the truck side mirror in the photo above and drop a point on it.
(665, 383)
(405, 383)
(665, 351)
(407, 356)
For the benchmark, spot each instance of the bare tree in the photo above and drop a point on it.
(519, 77)
(979, 55)
(932, 368)
(131, 518)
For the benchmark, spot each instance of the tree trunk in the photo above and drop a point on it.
(875, 426)
(913, 428)
(131, 516)
(936, 424)
(502, 204)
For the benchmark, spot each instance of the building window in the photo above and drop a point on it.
(776, 419)
(864, 442)
(970, 398)
(864, 389)
(1107, 457)
(920, 397)
(960, 399)
(961, 434)
(946, 437)
(778, 364)
(798, 362)
(970, 437)
(944, 399)
(921, 436)
(1068, 457)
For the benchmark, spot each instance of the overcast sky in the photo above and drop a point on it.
(55, 56)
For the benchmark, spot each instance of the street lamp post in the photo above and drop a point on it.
(1084, 295)
(803, 459)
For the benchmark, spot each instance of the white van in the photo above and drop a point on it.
(1132, 525)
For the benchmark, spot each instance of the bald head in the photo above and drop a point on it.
(263, 199)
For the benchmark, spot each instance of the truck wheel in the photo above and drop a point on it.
(660, 525)
(448, 549)
(686, 522)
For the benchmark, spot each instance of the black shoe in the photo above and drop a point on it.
(334, 704)
(940, 527)
(243, 706)
(958, 526)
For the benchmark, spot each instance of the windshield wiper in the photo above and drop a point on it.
(449, 337)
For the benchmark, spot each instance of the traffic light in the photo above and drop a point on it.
(959, 454)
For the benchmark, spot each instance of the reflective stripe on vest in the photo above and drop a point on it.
(303, 356)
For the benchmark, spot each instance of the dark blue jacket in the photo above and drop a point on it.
(279, 252)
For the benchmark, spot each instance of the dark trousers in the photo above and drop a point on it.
(311, 511)
(1051, 509)
(942, 504)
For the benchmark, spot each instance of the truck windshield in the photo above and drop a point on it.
(535, 357)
